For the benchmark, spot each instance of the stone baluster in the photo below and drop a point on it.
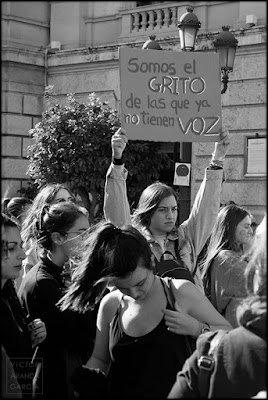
(159, 19)
(174, 16)
(166, 17)
(143, 20)
(136, 23)
(151, 19)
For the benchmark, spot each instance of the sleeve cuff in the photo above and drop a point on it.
(117, 161)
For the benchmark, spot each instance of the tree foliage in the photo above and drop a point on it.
(72, 145)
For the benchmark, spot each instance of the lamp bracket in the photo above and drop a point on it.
(225, 79)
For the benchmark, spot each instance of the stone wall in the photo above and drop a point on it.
(244, 114)
(243, 105)
(88, 62)
(25, 34)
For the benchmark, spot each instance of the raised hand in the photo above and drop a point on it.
(222, 146)
(118, 142)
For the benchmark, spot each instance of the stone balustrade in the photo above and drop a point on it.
(149, 20)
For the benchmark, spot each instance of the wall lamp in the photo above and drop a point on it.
(225, 43)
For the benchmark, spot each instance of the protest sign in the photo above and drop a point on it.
(170, 96)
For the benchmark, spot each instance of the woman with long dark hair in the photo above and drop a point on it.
(174, 246)
(223, 268)
(239, 368)
(138, 346)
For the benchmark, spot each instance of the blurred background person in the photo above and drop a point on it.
(20, 335)
(49, 194)
(240, 367)
(223, 268)
(16, 207)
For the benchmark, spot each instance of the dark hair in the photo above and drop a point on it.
(223, 233)
(111, 252)
(44, 198)
(14, 206)
(59, 217)
(149, 201)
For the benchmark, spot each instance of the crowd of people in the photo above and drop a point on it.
(126, 307)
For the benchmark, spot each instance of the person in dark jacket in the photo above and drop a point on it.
(240, 358)
(60, 231)
(19, 336)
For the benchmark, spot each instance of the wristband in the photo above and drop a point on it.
(213, 165)
(217, 162)
(117, 161)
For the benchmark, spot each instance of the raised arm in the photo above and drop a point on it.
(116, 207)
(207, 201)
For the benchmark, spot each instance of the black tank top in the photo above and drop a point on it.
(144, 366)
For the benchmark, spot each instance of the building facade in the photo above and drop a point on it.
(74, 46)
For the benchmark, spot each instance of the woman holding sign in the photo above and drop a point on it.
(157, 211)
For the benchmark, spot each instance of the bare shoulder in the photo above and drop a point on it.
(183, 288)
(187, 294)
(110, 303)
(182, 284)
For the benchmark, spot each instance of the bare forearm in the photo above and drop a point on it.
(224, 327)
(96, 363)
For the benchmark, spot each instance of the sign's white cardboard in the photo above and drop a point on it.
(170, 96)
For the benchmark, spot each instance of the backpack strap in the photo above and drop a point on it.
(206, 362)
(176, 249)
(167, 283)
(178, 256)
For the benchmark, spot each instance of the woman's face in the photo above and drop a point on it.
(75, 236)
(12, 261)
(62, 195)
(243, 231)
(137, 285)
(165, 216)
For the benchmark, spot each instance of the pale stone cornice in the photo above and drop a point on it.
(25, 21)
(22, 55)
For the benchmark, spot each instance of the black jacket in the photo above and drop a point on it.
(70, 335)
(16, 339)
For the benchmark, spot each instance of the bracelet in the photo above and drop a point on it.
(117, 161)
(213, 165)
(219, 163)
